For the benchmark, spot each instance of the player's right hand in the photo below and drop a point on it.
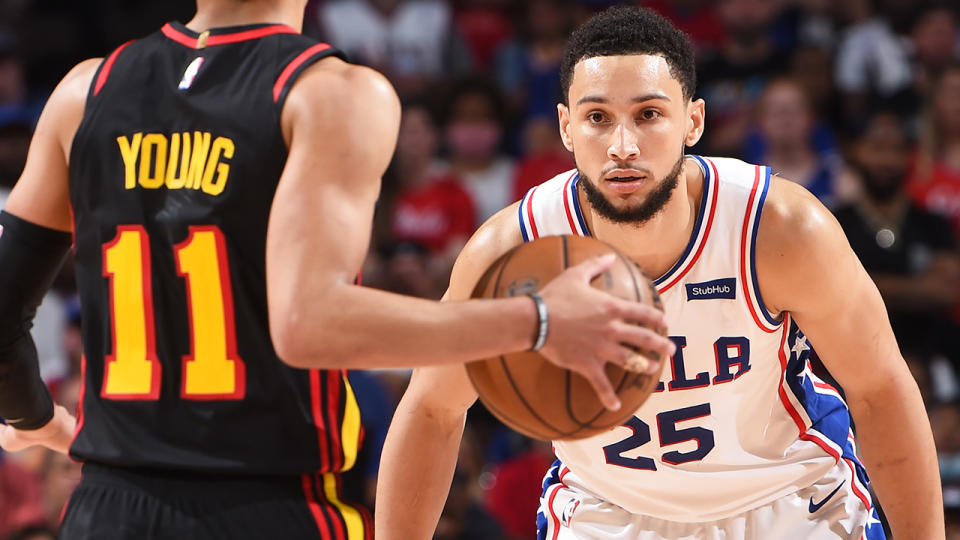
(57, 434)
(589, 327)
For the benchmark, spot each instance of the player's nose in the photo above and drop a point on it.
(623, 145)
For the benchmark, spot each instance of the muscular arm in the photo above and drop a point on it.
(806, 267)
(341, 123)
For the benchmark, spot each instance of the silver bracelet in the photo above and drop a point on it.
(544, 323)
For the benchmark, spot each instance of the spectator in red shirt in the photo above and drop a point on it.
(935, 180)
(431, 208)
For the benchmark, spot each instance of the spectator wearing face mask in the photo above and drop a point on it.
(475, 118)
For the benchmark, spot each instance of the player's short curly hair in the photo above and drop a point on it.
(624, 30)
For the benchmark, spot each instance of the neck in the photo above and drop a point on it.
(891, 209)
(219, 13)
(657, 244)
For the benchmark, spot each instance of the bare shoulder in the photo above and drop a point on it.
(64, 109)
(333, 87)
(496, 236)
(792, 217)
(798, 237)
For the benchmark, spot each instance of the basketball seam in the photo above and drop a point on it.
(626, 374)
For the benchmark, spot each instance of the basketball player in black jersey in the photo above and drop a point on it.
(219, 181)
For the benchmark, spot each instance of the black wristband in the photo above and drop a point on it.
(30, 257)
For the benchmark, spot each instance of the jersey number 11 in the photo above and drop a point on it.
(213, 370)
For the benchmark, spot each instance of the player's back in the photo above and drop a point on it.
(172, 174)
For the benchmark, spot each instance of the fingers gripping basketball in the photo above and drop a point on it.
(539, 398)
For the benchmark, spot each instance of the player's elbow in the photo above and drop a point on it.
(307, 345)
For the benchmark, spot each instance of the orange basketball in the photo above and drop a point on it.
(526, 391)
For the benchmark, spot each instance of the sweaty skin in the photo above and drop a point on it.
(629, 111)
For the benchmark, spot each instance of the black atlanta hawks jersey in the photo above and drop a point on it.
(172, 174)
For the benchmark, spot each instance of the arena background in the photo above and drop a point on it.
(858, 100)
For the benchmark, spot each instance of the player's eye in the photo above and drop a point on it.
(596, 117)
(650, 114)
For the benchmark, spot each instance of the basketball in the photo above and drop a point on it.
(525, 390)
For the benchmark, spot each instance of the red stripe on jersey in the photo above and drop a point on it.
(179, 36)
(743, 253)
(107, 66)
(333, 410)
(853, 483)
(83, 392)
(292, 66)
(706, 233)
(781, 391)
(318, 420)
(791, 410)
(314, 506)
(223, 39)
(566, 203)
(533, 224)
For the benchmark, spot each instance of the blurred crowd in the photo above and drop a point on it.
(858, 100)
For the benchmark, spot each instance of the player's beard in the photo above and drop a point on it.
(641, 213)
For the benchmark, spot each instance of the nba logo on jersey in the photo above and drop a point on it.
(190, 73)
(568, 511)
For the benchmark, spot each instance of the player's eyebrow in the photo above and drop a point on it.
(637, 99)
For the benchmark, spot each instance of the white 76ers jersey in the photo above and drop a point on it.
(739, 419)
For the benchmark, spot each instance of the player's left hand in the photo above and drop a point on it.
(56, 434)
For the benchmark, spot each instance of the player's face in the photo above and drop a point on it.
(627, 124)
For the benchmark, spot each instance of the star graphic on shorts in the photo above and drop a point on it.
(872, 520)
(800, 345)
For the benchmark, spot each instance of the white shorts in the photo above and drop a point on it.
(828, 509)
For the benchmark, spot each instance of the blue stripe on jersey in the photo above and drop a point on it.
(551, 478)
(753, 251)
(576, 206)
(828, 414)
(696, 226)
(523, 227)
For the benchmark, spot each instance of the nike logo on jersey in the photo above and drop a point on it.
(814, 507)
(710, 290)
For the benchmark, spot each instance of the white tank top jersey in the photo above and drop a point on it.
(739, 419)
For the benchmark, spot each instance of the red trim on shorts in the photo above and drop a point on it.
(533, 224)
(553, 515)
(318, 420)
(83, 392)
(222, 39)
(566, 203)
(314, 506)
(292, 66)
(853, 483)
(107, 66)
(333, 412)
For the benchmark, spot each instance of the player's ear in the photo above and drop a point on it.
(695, 112)
(563, 115)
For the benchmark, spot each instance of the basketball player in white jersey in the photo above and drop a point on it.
(742, 440)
